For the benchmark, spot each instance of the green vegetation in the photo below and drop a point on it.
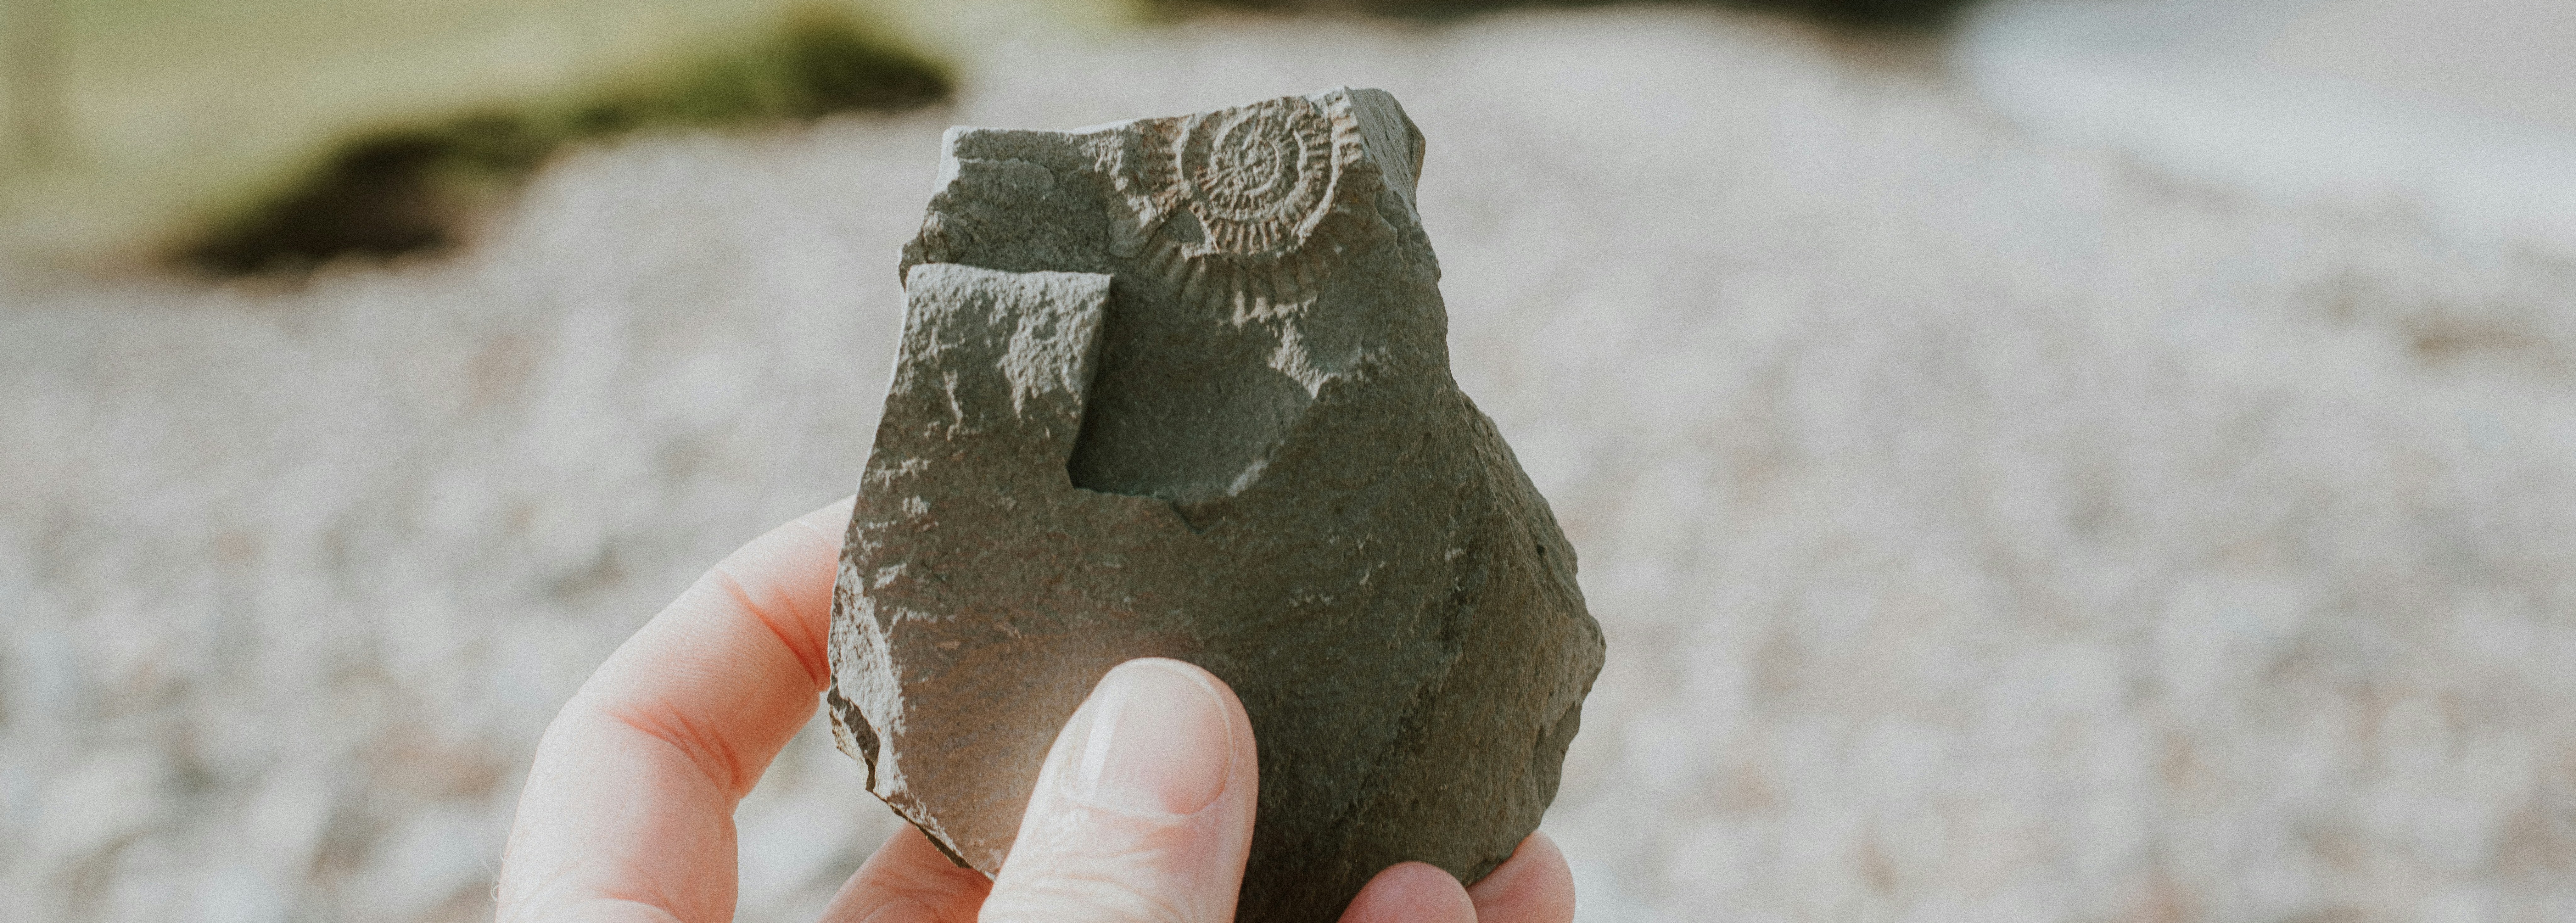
(415, 187)
(163, 124)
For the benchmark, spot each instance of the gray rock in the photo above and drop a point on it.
(1180, 387)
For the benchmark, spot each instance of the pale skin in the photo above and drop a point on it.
(1143, 813)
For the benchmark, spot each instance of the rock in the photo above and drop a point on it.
(1180, 387)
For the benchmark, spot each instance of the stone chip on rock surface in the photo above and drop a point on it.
(1180, 387)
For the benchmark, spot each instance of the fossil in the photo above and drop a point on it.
(1180, 387)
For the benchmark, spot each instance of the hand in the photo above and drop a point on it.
(1143, 811)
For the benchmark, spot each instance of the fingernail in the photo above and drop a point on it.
(1158, 743)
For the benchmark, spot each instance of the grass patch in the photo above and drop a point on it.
(416, 188)
(1872, 14)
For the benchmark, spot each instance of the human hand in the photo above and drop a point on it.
(1143, 811)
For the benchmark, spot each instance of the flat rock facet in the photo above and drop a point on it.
(1180, 387)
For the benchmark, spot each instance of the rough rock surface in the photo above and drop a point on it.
(1180, 387)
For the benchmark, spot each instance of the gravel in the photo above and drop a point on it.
(1984, 529)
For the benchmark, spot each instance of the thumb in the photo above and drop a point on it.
(1144, 809)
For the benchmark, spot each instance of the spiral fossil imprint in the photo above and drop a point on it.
(1236, 195)
(1255, 176)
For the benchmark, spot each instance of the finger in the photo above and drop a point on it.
(909, 881)
(1143, 810)
(628, 812)
(1533, 886)
(1414, 892)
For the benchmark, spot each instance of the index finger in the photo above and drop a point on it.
(628, 811)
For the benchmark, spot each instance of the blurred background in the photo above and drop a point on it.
(2035, 460)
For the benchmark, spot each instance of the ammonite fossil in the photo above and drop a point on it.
(1180, 388)
(1256, 177)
